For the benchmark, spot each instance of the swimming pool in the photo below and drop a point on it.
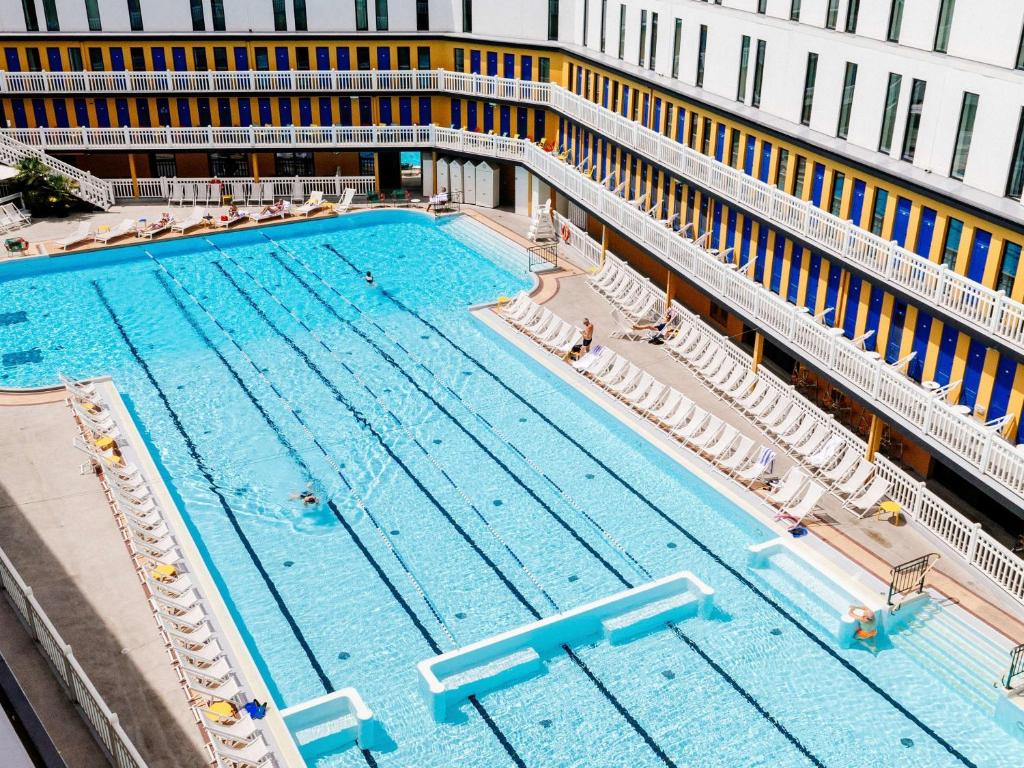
(469, 491)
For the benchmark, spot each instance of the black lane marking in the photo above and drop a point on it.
(378, 569)
(812, 636)
(369, 427)
(208, 476)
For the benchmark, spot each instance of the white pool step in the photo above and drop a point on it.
(522, 663)
(327, 728)
(619, 629)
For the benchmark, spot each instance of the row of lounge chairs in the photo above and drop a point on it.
(835, 461)
(174, 597)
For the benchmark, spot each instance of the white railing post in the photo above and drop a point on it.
(972, 543)
(252, 135)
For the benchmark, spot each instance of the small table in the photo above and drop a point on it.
(930, 386)
(893, 508)
(415, 201)
(104, 442)
(226, 200)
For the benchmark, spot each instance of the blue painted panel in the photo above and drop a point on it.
(39, 112)
(509, 65)
(384, 57)
(385, 111)
(716, 225)
(538, 123)
(492, 63)
(488, 118)
(762, 253)
(365, 110)
(625, 99)
(817, 183)
(896, 320)
(241, 58)
(121, 109)
(102, 113)
(305, 111)
(323, 57)
(471, 115)
(813, 276)
(263, 110)
(1006, 371)
(748, 157)
(522, 126)
(766, 161)
(526, 67)
(657, 115)
(178, 59)
(857, 201)
(60, 113)
(344, 110)
(730, 234)
(720, 144)
(979, 255)
(874, 314)
(326, 118)
(646, 109)
(474, 62)
(203, 110)
(748, 227)
(184, 113)
(972, 373)
(54, 60)
(795, 262)
(780, 253)
(835, 275)
(681, 126)
(18, 110)
(343, 60)
(604, 94)
(425, 110)
(11, 56)
(117, 59)
(245, 112)
(457, 113)
(505, 120)
(82, 112)
(852, 306)
(142, 111)
(925, 229)
(947, 351)
(159, 59)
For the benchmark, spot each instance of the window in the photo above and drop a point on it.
(544, 69)
(964, 131)
(734, 146)
(604, 22)
(892, 98)
(199, 60)
(75, 59)
(460, 60)
(302, 58)
(28, 9)
(846, 104)
(225, 165)
(96, 59)
(262, 59)
(361, 21)
(741, 85)
(701, 52)
(836, 205)
(878, 211)
(404, 58)
(280, 17)
(422, 15)
(217, 8)
(1008, 267)
(362, 58)
(951, 245)
(895, 21)
(798, 177)
(423, 57)
(622, 31)
(794, 10)
(643, 37)
(50, 14)
(138, 57)
(293, 163)
(944, 25)
(382, 15)
(913, 120)
(552, 19)
(165, 165)
(781, 168)
(1015, 179)
(762, 6)
(755, 100)
(198, 21)
(809, 77)
(692, 143)
(33, 60)
(299, 12)
(852, 12)
(92, 15)
(677, 37)
(705, 142)
(654, 41)
(1019, 64)
(220, 59)
(832, 15)
(586, 20)
(135, 15)
(467, 15)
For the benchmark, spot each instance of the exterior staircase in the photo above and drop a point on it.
(99, 192)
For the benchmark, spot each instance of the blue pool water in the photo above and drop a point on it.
(469, 491)
(411, 158)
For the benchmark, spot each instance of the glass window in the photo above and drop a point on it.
(262, 59)
(280, 17)
(794, 10)
(138, 58)
(913, 120)
(1008, 267)
(217, 8)
(951, 245)
(224, 165)
(701, 53)
(852, 12)
(677, 38)
(552, 19)
(895, 21)
(165, 165)
(944, 25)
(299, 11)
(741, 85)
(755, 99)
(762, 6)
(809, 78)
(199, 59)
(1019, 64)
(604, 22)
(781, 169)
(544, 69)
(75, 59)
(692, 143)
(293, 163)
(878, 211)
(846, 103)
(96, 59)
(798, 177)
(33, 60)
(964, 132)
(422, 15)
(832, 15)
(28, 10)
(734, 146)
(198, 21)
(404, 57)
(586, 20)
(302, 58)
(643, 37)
(362, 58)
(135, 15)
(1015, 179)
(622, 31)
(836, 205)
(220, 59)
(382, 15)
(50, 14)
(423, 57)
(362, 24)
(705, 143)
(460, 60)
(892, 98)
(467, 15)
(654, 41)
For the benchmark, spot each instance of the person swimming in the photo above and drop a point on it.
(369, 277)
(306, 496)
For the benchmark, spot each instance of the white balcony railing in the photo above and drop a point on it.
(898, 398)
(293, 187)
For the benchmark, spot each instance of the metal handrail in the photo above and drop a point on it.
(909, 577)
(1016, 666)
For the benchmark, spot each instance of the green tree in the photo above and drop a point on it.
(46, 193)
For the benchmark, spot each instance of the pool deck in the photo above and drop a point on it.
(59, 531)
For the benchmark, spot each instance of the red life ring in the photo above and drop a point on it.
(566, 233)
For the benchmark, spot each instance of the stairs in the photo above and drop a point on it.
(98, 192)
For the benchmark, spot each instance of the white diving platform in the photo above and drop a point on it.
(331, 723)
(516, 655)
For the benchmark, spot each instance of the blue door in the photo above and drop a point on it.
(345, 110)
(817, 183)
(521, 122)
(526, 67)
(681, 125)
(474, 62)
(326, 118)
(425, 118)
(404, 110)
(509, 65)
(813, 276)
(793, 281)
(874, 313)
(102, 113)
(244, 112)
(775, 286)
(762, 253)
(506, 120)
(383, 58)
(604, 94)
(656, 123)
(203, 110)
(53, 59)
(305, 111)
(488, 118)
(902, 219)
(1006, 371)
(184, 113)
(342, 57)
(82, 113)
(241, 58)
(922, 332)
(266, 118)
(972, 373)
(60, 113)
(748, 157)
(365, 110)
(898, 317)
(159, 60)
(18, 110)
(117, 59)
(492, 63)
(323, 58)
(857, 201)
(720, 144)
(142, 111)
(979, 255)
(625, 100)
(538, 124)
(925, 229)
(11, 56)
(456, 113)
(947, 350)
(178, 59)
(766, 161)
(224, 111)
(471, 115)
(646, 111)
(123, 117)
(835, 275)
(281, 58)
(385, 111)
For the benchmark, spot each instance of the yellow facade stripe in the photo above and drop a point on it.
(931, 357)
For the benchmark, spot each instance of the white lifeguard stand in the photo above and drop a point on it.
(541, 229)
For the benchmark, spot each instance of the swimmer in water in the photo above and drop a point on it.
(369, 277)
(306, 496)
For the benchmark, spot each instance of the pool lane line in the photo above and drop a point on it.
(680, 634)
(497, 571)
(821, 643)
(208, 476)
(364, 550)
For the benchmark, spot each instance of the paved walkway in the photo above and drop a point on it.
(58, 530)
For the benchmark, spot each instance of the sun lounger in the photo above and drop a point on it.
(789, 419)
(694, 425)
(654, 395)
(868, 498)
(345, 202)
(194, 219)
(314, 203)
(771, 400)
(857, 479)
(80, 234)
(824, 455)
(614, 372)
(800, 432)
(626, 382)
(707, 435)
(793, 515)
(227, 220)
(592, 358)
(668, 405)
(788, 488)
(720, 446)
(276, 211)
(150, 230)
(756, 470)
(254, 755)
(839, 471)
(741, 387)
(739, 455)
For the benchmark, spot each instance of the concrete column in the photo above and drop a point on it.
(134, 175)
(376, 171)
(433, 159)
(758, 354)
(874, 437)
(255, 166)
(604, 242)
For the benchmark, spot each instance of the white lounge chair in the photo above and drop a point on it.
(757, 469)
(345, 202)
(276, 211)
(793, 515)
(696, 422)
(80, 234)
(149, 231)
(721, 444)
(267, 193)
(177, 194)
(825, 454)
(752, 398)
(869, 497)
(707, 435)
(238, 191)
(314, 203)
(226, 220)
(122, 228)
(591, 358)
(194, 219)
(856, 480)
(788, 489)
(739, 455)
(838, 471)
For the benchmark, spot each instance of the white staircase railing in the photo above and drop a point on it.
(99, 192)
